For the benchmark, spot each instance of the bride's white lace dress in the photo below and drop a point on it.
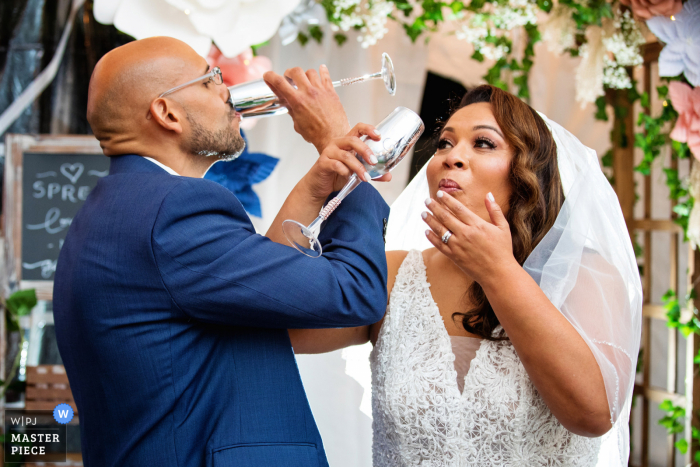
(420, 417)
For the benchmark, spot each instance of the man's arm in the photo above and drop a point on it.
(218, 270)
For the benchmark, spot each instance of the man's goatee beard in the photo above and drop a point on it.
(225, 145)
(223, 156)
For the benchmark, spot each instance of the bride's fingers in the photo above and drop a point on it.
(459, 210)
(353, 143)
(364, 129)
(435, 225)
(336, 166)
(438, 243)
(348, 159)
(442, 218)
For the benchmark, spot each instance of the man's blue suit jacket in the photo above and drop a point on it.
(171, 317)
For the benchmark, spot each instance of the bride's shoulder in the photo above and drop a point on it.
(394, 259)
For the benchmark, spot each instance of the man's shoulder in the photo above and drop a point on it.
(196, 193)
(199, 203)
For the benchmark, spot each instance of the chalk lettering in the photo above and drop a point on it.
(83, 192)
(47, 266)
(67, 193)
(53, 215)
(40, 190)
(72, 171)
(53, 189)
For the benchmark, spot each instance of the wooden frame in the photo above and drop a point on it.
(15, 147)
(644, 392)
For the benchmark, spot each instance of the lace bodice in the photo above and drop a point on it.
(420, 417)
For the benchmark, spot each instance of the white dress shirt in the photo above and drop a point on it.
(162, 166)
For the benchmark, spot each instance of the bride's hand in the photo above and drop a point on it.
(483, 250)
(338, 162)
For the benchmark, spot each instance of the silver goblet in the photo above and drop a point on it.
(256, 99)
(399, 132)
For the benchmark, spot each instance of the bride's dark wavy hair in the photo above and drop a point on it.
(536, 197)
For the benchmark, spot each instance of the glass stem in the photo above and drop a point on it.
(353, 182)
(359, 79)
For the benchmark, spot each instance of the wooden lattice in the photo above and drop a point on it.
(623, 172)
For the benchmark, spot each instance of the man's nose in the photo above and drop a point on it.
(226, 94)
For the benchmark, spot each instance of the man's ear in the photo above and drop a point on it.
(166, 114)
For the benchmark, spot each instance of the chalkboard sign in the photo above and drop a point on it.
(47, 179)
(54, 188)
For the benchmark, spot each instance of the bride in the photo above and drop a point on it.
(513, 322)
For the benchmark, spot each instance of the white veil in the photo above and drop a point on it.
(586, 267)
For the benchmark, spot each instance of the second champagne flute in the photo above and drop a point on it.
(399, 132)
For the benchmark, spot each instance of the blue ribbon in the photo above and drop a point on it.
(241, 174)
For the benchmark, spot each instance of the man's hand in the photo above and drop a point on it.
(338, 162)
(314, 106)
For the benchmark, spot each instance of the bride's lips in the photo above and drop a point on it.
(449, 186)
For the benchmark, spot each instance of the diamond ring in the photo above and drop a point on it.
(446, 237)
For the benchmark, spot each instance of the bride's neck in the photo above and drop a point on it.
(437, 261)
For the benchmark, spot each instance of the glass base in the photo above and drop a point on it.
(301, 238)
(388, 74)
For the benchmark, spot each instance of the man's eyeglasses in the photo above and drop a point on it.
(214, 76)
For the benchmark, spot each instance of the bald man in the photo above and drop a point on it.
(170, 311)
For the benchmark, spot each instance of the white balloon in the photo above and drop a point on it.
(105, 10)
(234, 25)
(150, 18)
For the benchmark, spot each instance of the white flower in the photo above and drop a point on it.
(682, 37)
(590, 72)
(625, 41)
(559, 30)
(513, 14)
(369, 16)
(496, 21)
(234, 25)
(625, 54)
(608, 50)
(615, 76)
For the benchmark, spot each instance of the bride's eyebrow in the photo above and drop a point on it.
(488, 127)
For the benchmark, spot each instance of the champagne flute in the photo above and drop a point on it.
(399, 132)
(256, 99)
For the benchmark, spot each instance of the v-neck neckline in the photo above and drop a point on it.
(443, 330)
